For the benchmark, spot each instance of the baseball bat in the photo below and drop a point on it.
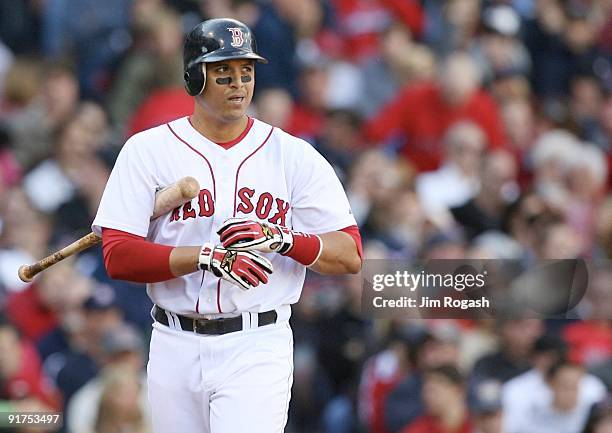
(166, 199)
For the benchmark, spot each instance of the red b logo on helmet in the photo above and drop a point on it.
(237, 36)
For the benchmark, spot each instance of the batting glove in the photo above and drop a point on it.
(242, 268)
(242, 234)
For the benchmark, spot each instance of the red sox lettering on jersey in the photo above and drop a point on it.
(263, 206)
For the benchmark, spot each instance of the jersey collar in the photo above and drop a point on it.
(227, 144)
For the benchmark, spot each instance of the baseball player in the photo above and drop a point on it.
(223, 269)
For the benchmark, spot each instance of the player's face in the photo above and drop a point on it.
(229, 87)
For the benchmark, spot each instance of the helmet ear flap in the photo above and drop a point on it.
(195, 79)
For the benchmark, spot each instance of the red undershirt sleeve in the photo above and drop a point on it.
(353, 231)
(132, 258)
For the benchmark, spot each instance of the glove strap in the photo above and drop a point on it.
(206, 256)
(286, 242)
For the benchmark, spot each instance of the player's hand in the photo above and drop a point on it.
(242, 234)
(242, 268)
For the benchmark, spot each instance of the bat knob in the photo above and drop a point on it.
(23, 274)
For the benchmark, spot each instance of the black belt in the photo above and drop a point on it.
(213, 326)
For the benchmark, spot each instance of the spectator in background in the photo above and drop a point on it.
(74, 152)
(486, 407)
(585, 180)
(523, 394)
(155, 62)
(401, 60)
(38, 309)
(274, 106)
(524, 220)
(276, 42)
(75, 215)
(381, 373)
(339, 140)
(84, 359)
(21, 84)
(497, 49)
(590, 339)
(543, 38)
(382, 201)
(21, 375)
(566, 411)
(457, 180)
(444, 400)
(361, 41)
(34, 126)
(119, 409)
(558, 240)
(550, 157)
(498, 189)
(517, 336)
(586, 101)
(520, 128)
(452, 24)
(419, 116)
(24, 238)
(309, 110)
(426, 351)
(123, 351)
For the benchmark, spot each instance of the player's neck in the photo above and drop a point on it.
(217, 130)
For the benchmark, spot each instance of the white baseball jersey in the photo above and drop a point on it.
(268, 176)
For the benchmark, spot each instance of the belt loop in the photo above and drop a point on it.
(194, 325)
(254, 320)
(246, 320)
(171, 322)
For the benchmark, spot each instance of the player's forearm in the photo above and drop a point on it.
(184, 260)
(338, 256)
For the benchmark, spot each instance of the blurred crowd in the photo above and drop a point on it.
(460, 128)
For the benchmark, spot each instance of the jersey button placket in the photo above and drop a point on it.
(223, 209)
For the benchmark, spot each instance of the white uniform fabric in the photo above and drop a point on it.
(270, 175)
(239, 381)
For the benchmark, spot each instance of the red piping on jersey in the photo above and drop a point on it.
(240, 166)
(212, 173)
(219, 296)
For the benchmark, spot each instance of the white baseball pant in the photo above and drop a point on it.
(237, 382)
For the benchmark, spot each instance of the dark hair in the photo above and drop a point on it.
(558, 365)
(449, 372)
(553, 344)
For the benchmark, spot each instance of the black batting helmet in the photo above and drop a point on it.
(212, 41)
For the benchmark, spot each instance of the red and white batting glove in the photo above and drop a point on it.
(242, 234)
(245, 269)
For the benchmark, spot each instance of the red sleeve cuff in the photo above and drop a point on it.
(131, 258)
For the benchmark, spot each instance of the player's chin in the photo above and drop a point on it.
(235, 112)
